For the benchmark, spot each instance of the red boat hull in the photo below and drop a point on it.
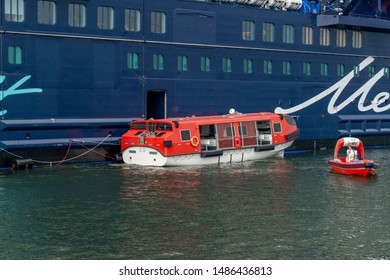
(361, 167)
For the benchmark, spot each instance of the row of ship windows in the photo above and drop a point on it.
(248, 66)
(288, 37)
(15, 56)
(14, 11)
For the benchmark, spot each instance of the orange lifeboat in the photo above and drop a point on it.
(354, 163)
(233, 137)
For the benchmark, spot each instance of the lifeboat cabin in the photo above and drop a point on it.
(227, 138)
(354, 162)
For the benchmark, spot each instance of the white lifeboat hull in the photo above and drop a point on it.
(148, 156)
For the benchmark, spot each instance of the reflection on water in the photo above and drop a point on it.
(291, 208)
(345, 181)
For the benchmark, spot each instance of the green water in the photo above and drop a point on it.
(291, 208)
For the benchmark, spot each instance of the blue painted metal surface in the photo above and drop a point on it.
(80, 76)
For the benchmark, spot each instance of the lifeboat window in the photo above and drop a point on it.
(151, 126)
(185, 135)
(247, 133)
(229, 131)
(207, 131)
(225, 134)
(164, 126)
(290, 120)
(138, 125)
(242, 130)
(277, 127)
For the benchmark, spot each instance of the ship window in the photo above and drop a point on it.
(277, 127)
(286, 67)
(47, 13)
(307, 35)
(185, 135)
(371, 71)
(76, 15)
(158, 22)
(268, 32)
(248, 66)
(340, 70)
(158, 62)
(341, 38)
(227, 65)
(324, 37)
(182, 63)
(356, 39)
(268, 67)
(324, 69)
(14, 10)
(15, 55)
(307, 68)
(356, 70)
(288, 33)
(205, 64)
(386, 72)
(248, 30)
(132, 20)
(132, 60)
(105, 18)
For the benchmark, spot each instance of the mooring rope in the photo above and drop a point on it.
(12, 154)
(65, 159)
(92, 150)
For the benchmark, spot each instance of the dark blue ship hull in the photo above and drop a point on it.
(69, 92)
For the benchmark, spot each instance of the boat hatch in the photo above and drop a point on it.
(264, 132)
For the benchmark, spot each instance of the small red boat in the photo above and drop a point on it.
(354, 163)
(233, 137)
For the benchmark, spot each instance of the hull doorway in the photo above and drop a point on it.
(156, 104)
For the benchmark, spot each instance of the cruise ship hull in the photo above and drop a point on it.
(68, 93)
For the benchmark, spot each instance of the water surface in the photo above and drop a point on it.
(284, 208)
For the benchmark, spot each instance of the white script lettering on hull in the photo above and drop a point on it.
(338, 88)
(13, 90)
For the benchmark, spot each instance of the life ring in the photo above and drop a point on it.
(194, 141)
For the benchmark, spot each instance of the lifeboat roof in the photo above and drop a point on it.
(349, 141)
(223, 118)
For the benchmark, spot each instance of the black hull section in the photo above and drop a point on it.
(29, 158)
(84, 81)
(46, 156)
(324, 144)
